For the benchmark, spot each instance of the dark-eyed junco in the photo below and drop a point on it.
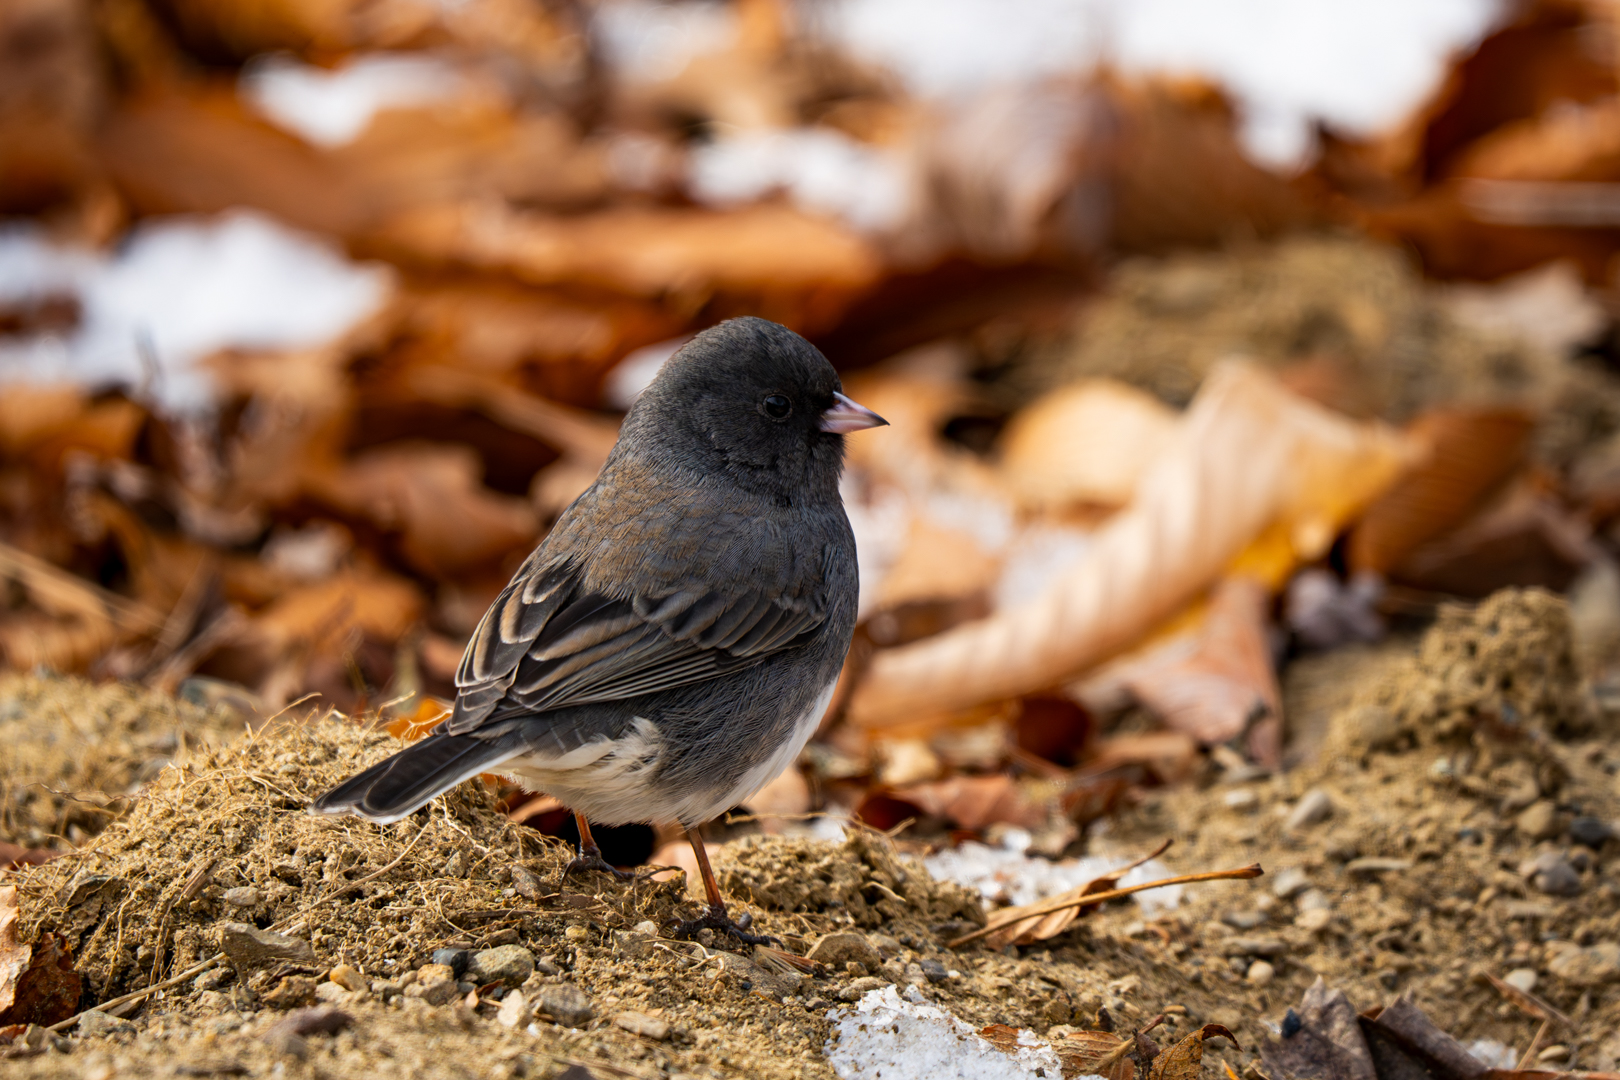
(672, 643)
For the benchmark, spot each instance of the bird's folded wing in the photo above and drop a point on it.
(546, 644)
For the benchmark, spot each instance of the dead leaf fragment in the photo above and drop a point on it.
(1184, 1060)
(37, 982)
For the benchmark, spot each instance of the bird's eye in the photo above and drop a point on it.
(776, 407)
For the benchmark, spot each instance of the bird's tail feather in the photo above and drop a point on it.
(398, 786)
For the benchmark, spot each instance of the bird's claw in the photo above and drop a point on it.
(591, 859)
(717, 919)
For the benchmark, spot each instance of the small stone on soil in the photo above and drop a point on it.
(1313, 808)
(566, 1004)
(845, 947)
(246, 946)
(454, 959)
(508, 964)
(637, 1023)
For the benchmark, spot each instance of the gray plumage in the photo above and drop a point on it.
(669, 646)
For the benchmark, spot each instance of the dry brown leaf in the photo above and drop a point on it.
(321, 617)
(1249, 457)
(765, 249)
(37, 982)
(1172, 755)
(1185, 1060)
(1465, 454)
(1088, 443)
(1216, 681)
(431, 496)
(937, 563)
(1012, 928)
(973, 802)
(1095, 1053)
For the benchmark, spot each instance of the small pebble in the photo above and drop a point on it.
(1558, 879)
(245, 896)
(934, 971)
(1243, 920)
(1555, 1052)
(454, 959)
(526, 883)
(515, 1011)
(637, 1023)
(577, 934)
(1590, 831)
(347, 977)
(1313, 808)
(846, 947)
(95, 1024)
(507, 964)
(1538, 821)
(1242, 800)
(1314, 919)
(1260, 973)
(1522, 979)
(859, 987)
(1288, 882)
(566, 1004)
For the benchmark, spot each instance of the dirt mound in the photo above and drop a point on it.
(864, 879)
(75, 750)
(1507, 664)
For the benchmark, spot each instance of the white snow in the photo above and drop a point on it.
(1359, 66)
(648, 41)
(1493, 1054)
(885, 1036)
(178, 290)
(1006, 875)
(821, 170)
(331, 107)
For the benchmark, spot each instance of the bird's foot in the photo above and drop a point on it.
(715, 918)
(590, 858)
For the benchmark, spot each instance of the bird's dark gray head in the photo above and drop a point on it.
(755, 399)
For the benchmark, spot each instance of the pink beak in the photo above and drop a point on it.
(845, 416)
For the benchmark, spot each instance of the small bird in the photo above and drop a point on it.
(672, 643)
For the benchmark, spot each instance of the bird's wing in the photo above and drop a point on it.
(547, 643)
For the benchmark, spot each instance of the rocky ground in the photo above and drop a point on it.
(1455, 822)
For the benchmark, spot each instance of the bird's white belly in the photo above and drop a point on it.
(614, 782)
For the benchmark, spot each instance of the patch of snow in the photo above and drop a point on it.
(1006, 875)
(648, 41)
(1492, 1054)
(331, 107)
(178, 290)
(1548, 307)
(821, 170)
(1359, 66)
(885, 1036)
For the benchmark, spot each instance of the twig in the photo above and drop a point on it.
(136, 995)
(1535, 1044)
(1253, 870)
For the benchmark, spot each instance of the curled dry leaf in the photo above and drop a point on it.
(37, 982)
(1216, 681)
(1013, 930)
(1081, 1053)
(1184, 1060)
(973, 802)
(1465, 454)
(1095, 1053)
(1249, 456)
(1087, 443)
(432, 496)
